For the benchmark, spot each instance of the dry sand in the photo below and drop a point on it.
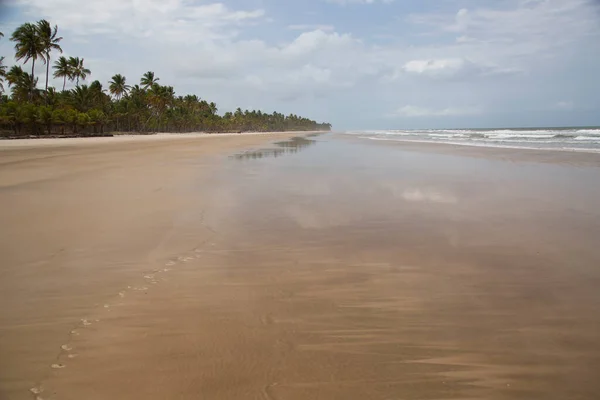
(165, 270)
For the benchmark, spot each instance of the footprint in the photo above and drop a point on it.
(74, 333)
(121, 294)
(85, 322)
(72, 355)
(36, 390)
(58, 366)
(170, 263)
(66, 347)
(267, 319)
(149, 276)
(166, 269)
(106, 306)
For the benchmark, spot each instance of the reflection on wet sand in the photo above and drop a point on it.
(294, 145)
(357, 271)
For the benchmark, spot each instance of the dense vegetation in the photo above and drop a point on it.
(25, 109)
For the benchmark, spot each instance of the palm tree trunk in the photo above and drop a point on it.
(47, 73)
(32, 79)
(64, 83)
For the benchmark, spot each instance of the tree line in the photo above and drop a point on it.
(26, 109)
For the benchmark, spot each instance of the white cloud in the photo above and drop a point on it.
(416, 112)
(452, 68)
(434, 66)
(162, 20)
(346, 2)
(317, 41)
(200, 43)
(309, 27)
(528, 27)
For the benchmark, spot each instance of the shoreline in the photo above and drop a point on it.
(565, 149)
(69, 141)
(513, 154)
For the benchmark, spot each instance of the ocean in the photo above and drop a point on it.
(568, 139)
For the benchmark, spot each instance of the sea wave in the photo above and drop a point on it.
(519, 135)
(588, 138)
(448, 135)
(502, 145)
(492, 135)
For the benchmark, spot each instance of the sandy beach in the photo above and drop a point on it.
(81, 220)
(230, 267)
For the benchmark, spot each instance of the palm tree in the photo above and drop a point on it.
(118, 86)
(148, 80)
(137, 91)
(62, 69)
(52, 97)
(2, 73)
(82, 98)
(50, 41)
(96, 86)
(20, 83)
(101, 99)
(78, 71)
(160, 98)
(28, 46)
(14, 75)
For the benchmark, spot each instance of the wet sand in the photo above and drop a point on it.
(320, 268)
(82, 219)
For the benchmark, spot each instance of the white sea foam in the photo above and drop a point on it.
(520, 135)
(501, 145)
(557, 139)
(588, 138)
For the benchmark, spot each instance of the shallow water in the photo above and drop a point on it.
(403, 274)
(293, 145)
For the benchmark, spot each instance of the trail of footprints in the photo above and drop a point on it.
(150, 279)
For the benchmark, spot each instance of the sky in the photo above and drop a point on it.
(359, 64)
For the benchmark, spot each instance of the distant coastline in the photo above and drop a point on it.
(132, 139)
(26, 111)
(5, 137)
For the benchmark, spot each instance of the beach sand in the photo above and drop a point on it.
(81, 220)
(318, 269)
